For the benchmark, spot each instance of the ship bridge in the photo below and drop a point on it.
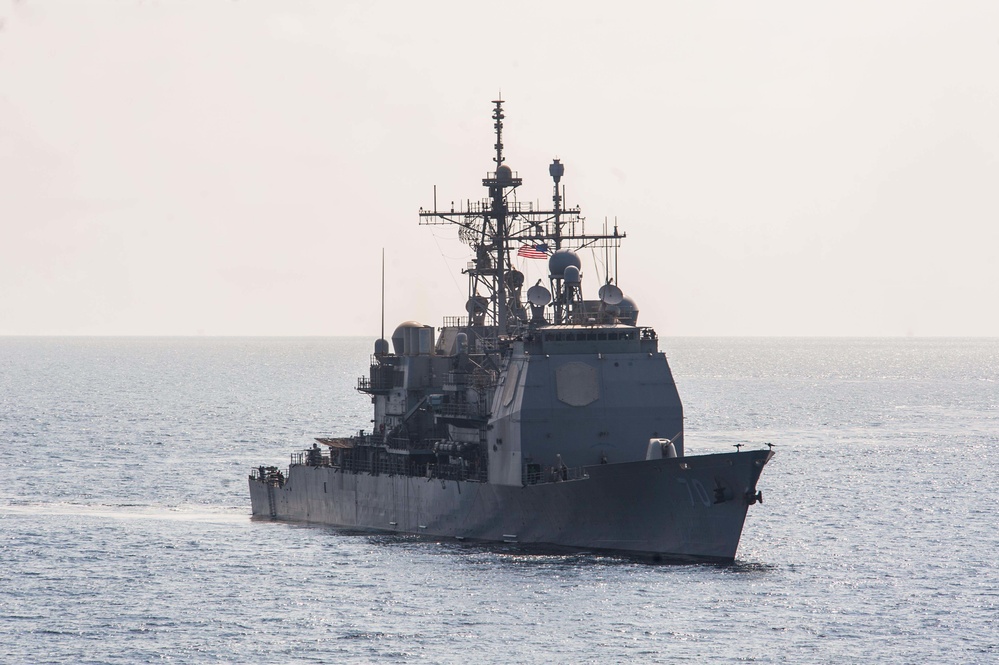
(574, 339)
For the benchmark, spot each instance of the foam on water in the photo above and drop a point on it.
(130, 512)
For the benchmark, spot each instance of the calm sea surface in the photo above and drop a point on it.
(125, 534)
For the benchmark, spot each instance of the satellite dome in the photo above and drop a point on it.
(561, 260)
(571, 275)
(628, 311)
(504, 175)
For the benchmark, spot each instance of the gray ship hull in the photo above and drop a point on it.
(689, 508)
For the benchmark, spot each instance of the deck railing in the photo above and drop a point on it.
(466, 410)
(554, 475)
(391, 465)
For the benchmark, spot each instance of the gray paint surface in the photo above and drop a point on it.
(657, 508)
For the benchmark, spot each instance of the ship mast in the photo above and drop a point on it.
(501, 179)
(495, 225)
(556, 170)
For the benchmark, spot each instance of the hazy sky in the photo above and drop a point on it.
(235, 167)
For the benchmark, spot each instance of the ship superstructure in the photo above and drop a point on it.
(539, 417)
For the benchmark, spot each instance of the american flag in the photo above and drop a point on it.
(533, 251)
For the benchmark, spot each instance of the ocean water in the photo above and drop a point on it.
(125, 534)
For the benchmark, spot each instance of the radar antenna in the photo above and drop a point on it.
(382, 336)
(498, 124)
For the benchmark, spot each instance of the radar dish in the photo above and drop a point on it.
(538, 295)
(610, 294)
(476, 305)
(515, 279)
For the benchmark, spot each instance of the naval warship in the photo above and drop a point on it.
(541, 417)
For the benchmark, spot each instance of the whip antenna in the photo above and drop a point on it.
(383, 294)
